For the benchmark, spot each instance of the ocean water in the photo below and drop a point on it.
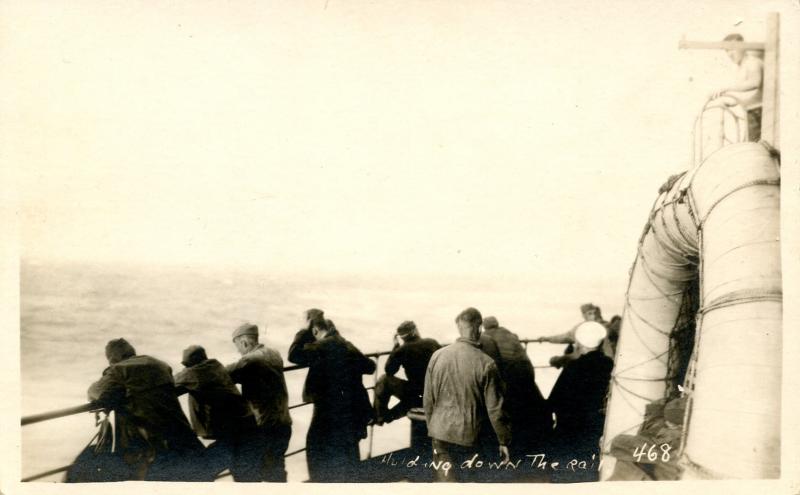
(69, 312)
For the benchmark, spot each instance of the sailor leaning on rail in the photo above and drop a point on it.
(590, 312)
(219, 412)
(413, 355)
(578, 403)
(260, 372)
(153, 436)
(530, 417)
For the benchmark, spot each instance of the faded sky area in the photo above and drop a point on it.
(355, 137)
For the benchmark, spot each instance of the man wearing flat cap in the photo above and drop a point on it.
(413, 356)
(260, 372)
(151, 431)
(531, 418)
(218, 412)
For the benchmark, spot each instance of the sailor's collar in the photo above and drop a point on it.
(469, 341)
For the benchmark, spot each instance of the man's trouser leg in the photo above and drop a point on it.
(276, 440)
(387, 387)
(754, 124)
(248, 453)
(219, 456)
(447, 460)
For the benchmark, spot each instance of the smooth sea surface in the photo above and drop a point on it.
(70, 311)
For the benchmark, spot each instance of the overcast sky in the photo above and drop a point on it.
(393, 136)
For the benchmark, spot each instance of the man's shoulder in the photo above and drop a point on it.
(750, 60)
(462, 350)
(425, 343)
(262, 354)
(141, 360)
(593, 360)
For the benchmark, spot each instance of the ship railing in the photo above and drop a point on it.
(721, 122)
(92, 407)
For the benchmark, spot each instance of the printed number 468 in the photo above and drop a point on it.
(651, 453)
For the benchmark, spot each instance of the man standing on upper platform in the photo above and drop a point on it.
(746, 89)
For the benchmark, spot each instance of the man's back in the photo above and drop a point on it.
(508, 344)
(462, 394)
(260, 372)
(413, 356)
(334, 378)
(579, 393)
(217, 408)
(141, 390)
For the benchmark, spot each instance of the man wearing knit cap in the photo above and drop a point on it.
(218, 412)
(341, 404)
(578, 401)
(260, 372)
(152, 433)
(531, 418)
(463, 401)
(413, 356)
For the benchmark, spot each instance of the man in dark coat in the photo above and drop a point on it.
(152, 433)
(578, 401)
(219, 412)
(413, 356)
(531, 418)
(260, 371)
(341, 404)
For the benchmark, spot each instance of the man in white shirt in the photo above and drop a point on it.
(746, 88)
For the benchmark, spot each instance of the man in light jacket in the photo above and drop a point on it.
(463, 402)
(260, 371)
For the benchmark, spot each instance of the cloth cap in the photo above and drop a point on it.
(194, 354)
(490, 322)
(314, 313)
(587, 307)
(245, 329)
(119, 349)
(406, 328)
(590, 334)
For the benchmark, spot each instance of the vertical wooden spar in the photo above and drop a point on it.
(770, 123)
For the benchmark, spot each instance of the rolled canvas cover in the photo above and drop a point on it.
(721, 221)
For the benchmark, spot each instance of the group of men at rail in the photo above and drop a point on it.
(478, 395)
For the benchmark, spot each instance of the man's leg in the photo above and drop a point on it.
(219, 456)
(276, 442)
(754, 124)
(387, 387)
(445, 461)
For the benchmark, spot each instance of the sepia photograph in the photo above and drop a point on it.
(355, 242)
